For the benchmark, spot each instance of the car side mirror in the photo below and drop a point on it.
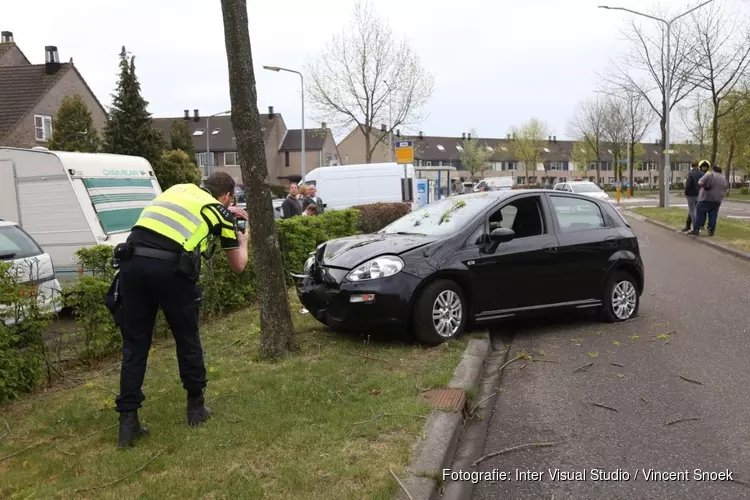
(502, 235)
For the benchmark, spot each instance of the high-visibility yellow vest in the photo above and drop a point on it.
(176, 214)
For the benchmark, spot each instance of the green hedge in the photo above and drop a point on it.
(375, 216)
(24, 356)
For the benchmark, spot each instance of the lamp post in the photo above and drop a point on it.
(209, 167)
(667, 84)
(302, 88)
(390, 121)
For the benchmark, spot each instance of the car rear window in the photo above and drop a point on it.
(16, 244)
(586, 188)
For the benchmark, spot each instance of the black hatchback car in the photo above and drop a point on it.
(477, 258)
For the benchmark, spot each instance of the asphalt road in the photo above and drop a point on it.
(693, 323)
(736, 210)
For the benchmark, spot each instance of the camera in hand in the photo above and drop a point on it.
(241, 225)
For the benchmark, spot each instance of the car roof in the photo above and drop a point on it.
(6, 223)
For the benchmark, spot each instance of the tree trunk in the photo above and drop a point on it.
(663, 128)
(715, 133)
(276, 325)
(631, 166)
(368, 150)
(730, 160)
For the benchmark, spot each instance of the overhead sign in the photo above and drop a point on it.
(404, 152)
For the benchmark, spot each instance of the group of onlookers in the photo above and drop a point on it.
(301, 200)
(705, 189)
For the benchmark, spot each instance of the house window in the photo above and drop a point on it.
(201, 159)
(43, 126)
(557, 165)
(231, 159)
(512, 165)
(429, 163)
(286, 158)
(198, 131)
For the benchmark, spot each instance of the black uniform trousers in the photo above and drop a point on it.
(146, 284)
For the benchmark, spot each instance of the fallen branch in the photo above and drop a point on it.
(233, 343)
(522, 366)
(513, 448)
(65, 452)
(112, 483)
(633, 319)
(103, 389)
(388, 415)
(697, 382)
(583, 367)
(604, 406)
(545, 361)
(520, 356)
(645, 400)
(416, 386)
(21, 451)
(618, 364)
(482, 401)
(686, 419)
(96, 432)
(7, 427)
(401, 484)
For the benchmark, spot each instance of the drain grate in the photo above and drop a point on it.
(452, 400)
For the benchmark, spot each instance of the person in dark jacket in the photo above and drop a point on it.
(291, 205)
(692, 190)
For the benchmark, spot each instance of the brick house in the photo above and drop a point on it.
(215, 142)
(435, 152)
(31, 94)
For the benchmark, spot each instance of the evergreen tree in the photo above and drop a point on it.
(176, 167)
(130, 129)
(181, 138)
(73, 128)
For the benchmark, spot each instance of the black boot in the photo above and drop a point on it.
(197, 413)
(688, 225)
(130, 429)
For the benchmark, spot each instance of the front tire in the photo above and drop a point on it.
(621, 298)
(440, 313)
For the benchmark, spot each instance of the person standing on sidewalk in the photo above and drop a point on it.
(692, 190)
(714, 188)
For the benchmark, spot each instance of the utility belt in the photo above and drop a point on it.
(186, 263)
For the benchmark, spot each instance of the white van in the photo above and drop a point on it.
(494, 184)
(345, 186)
(67, 201)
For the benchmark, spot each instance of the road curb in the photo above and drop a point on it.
(716, 246)
(443, 429)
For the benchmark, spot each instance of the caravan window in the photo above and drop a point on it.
(119, 202)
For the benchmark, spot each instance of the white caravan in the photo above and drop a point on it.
(67, 201)
(494, 184)
(345, 186)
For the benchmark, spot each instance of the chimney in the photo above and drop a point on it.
(324, 125)
(554, 139)
(398, 132)
(549, 138)
(51, 60)
(6, 37)
(507, 136)
(187, 114)
(463, 135)
(421, 136)
(468, 136)
(382, 127)
(196, 115)
(270, 112)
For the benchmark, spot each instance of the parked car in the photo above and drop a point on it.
(494, 184)
(476, 258)
(32, 265)
(585, 188)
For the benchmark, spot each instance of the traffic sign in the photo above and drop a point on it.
(669, 151)
(404, 152)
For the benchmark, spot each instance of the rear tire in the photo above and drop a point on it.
(440, 313)
(621, 299)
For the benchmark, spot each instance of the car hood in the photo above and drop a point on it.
(346, 253)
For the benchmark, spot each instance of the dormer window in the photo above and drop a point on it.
(440, 147)
(215, 131)
(198, 131)
(458, 146)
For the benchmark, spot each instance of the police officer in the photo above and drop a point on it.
(159, 265)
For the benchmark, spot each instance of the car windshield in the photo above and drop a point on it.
(441, 217)
(16, 244)
(586, 188)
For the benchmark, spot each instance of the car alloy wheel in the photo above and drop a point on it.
(624, 300)
(447, 313)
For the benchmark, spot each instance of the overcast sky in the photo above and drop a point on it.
(496, 63)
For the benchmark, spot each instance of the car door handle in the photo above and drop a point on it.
(550, 247)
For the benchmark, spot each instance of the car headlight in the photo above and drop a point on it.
(308, 265)
(380, 267)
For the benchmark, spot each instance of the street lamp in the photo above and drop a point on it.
(302, 88)
(667, 84)
(390, 120)
(209, 167)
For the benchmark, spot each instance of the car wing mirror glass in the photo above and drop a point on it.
(502, 235)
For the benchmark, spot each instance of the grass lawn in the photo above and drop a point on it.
(734, 233)
(734, 194)
(325, 423)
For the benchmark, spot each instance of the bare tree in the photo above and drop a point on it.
(474, 155)
(587, 126)
(647, 71)
(528, 144)
(615, 132)
(638, 118)
(365, 76)
(721, 58)
(275, 316)
(697, 117)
